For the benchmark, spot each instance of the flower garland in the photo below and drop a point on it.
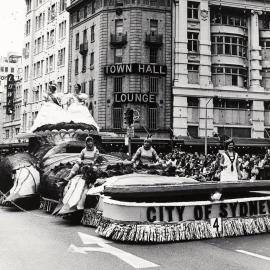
(91, 217)
(182, 231)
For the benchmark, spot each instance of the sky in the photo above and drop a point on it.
(12, 14)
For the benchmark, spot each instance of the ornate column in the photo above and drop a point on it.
(205, 45)
(255, 66)
(181, 44)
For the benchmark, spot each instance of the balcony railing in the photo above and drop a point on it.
(193, 115)
(153, 40)
(84, 48)
(118, 40)
(232, 116)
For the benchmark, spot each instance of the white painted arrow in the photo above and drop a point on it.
(134, 261)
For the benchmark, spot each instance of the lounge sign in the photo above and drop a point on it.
(134, 98)
(10, 94)
(144, 69)
(204, 212)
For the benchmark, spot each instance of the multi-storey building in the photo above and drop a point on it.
(45, 54)
(120, 53)
(222, 63)
(10, 117)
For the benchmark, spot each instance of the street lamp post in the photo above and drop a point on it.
(205, 136)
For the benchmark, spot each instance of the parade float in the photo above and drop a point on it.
(123, 203)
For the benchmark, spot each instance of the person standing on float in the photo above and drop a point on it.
(77, 109)
(229, 163)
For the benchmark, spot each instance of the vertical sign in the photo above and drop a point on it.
(10, 94)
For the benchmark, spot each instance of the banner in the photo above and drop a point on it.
(10, 94)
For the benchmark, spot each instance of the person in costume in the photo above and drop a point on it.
(229, 163)
(146, 154)
(88, 156)
(51, 111)
(78, 108)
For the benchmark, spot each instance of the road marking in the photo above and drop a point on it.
(254, 254)
(134, 261)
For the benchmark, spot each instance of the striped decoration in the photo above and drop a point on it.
(91, 217)
(48, 205)
(182, 231)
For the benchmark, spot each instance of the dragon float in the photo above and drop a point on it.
(123, 203)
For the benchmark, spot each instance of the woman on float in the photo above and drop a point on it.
(88, 156)
(51, 111)
(146, 155)
(229, 163)
(78, 108)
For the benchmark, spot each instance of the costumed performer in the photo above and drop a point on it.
(78, 110)
(88, 156)
(74, 194)
(51, 111)
(229, 163)
(146, 155)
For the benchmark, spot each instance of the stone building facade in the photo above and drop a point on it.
(120, 53)
(45, 54)
(221, 81)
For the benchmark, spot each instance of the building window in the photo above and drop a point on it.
(77, 41)
(153, 27)
(117, 84)
(7, 134)
(83, 85)
(152, 117)
(193, 74)
(153, 55)
(193, 131)
(27, 27)
(193, 102)
(193, 10)
(118, 55)
(234, 132)
(85, 36)
(12, 70)
(92, 33)
(119, 28)
(229, 76)
(227, 17)
(229, 45)
(92, 59)
(193, 41)
(62, 30)
(62, 5)
(93, 5)
(76, 66)
(84, 59)
(50, 38)
(91, 109)
(91, 87)
(61, 57)
(85, 12)
(117, 115)
(153, 84)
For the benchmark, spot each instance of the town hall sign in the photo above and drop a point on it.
(144, 69)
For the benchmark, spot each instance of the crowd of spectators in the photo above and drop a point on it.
(207, 168)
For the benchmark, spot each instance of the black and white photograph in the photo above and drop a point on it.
(135, 134)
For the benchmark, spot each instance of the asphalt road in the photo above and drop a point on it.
(37, 241)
